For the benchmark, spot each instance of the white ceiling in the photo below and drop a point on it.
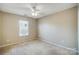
(24, 8)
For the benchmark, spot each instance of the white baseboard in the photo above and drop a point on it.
(60, 46)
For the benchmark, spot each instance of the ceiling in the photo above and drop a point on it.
(24, 9)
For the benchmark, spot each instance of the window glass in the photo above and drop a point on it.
(23, 28)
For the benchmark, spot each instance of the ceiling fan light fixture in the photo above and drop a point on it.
(34, 14)
(35, 11)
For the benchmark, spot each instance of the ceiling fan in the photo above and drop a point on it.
(34, 9)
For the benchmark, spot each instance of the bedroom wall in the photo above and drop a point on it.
(78, 29)
(10, 29)
(0, 28)
(60, 28)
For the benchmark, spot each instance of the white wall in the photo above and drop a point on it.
(60, 28)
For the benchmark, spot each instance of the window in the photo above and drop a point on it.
(23, 28)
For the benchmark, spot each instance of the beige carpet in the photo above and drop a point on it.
(37, 47)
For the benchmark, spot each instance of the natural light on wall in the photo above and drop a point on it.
(23, 28)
